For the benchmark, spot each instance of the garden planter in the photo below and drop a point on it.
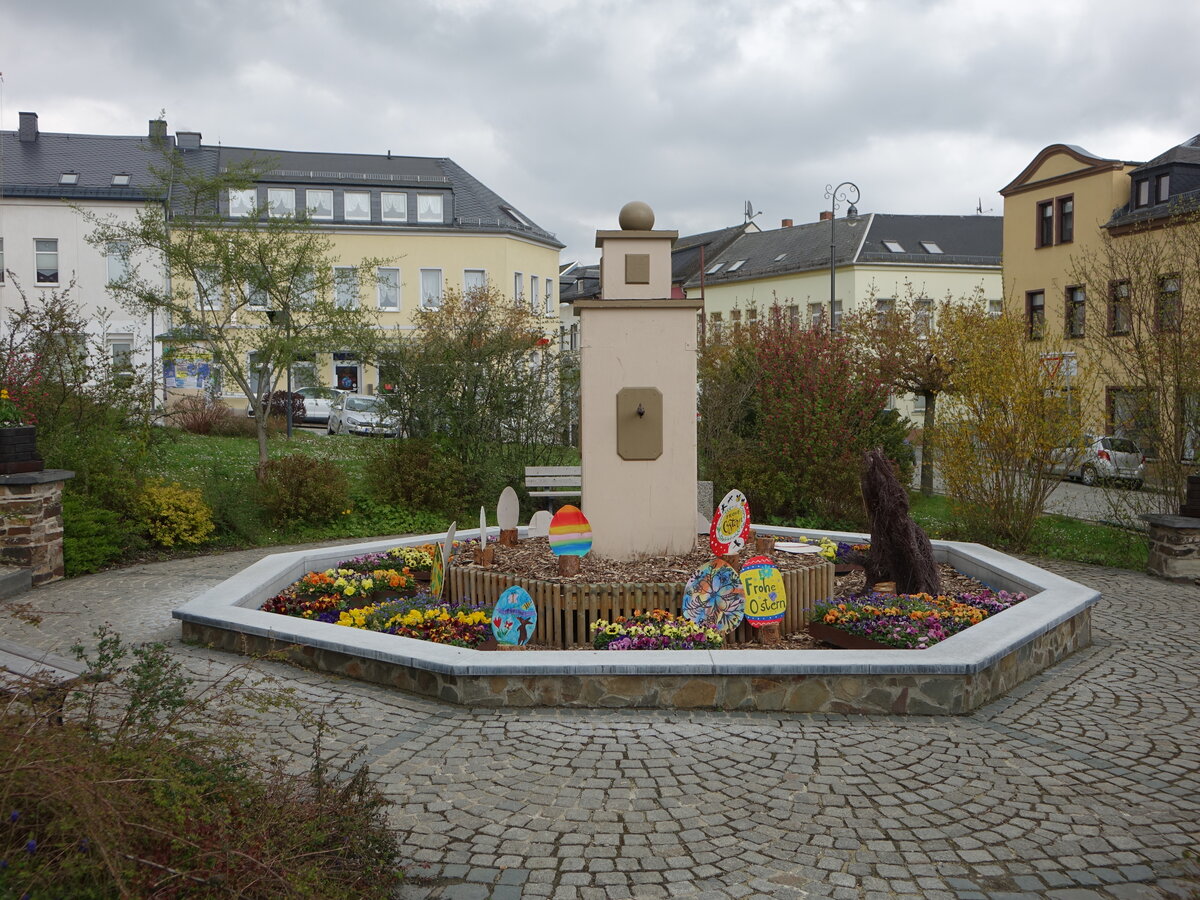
(845, 639)
(841, 568)
(18, 450)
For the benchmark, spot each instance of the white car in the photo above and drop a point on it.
(318, 401)
(360, 414)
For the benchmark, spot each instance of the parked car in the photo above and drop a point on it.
(360, 414)
(1099, 459)
(318, 401)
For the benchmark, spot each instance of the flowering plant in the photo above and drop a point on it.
(409, 559)
(654, 629)
(828, 547)
(10, 415)
(855, 554)
(912, 621)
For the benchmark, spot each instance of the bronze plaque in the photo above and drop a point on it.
(637, 268)
(639, 423)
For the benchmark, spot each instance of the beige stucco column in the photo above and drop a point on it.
(638, 396)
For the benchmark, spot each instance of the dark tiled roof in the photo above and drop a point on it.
(964, 240)
(475, 206)
(685, 255)
(581, 283)
(1187, 152)
(1182, 164)
(32, 168)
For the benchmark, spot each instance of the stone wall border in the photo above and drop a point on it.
(962, 673)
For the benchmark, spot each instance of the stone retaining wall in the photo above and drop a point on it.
(32, 528)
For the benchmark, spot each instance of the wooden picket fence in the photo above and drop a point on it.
(567, 610)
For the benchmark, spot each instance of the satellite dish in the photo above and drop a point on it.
(750, 213)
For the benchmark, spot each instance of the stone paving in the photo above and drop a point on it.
(1084, 783)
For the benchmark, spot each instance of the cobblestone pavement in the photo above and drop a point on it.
(1084, 783)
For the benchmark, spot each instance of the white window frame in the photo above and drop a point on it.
(256, 298)
(384, 285)
(343, 282)
(121, 179)
(518, 288)
(534, 289)
(281, 199)
(426, 302)
(346, 195)
(482, 284)
(120, 340)
(36, 253)
(208, 286)
(247, 197)
(549, 298)
(383, 206)
(117, 255)
(308, 205)
(431, 201)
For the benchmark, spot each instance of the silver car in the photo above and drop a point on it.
(1101, 459)
(360, 414)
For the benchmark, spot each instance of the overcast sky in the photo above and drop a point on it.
(570, 108)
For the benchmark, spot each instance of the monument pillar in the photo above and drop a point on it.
(638, 396)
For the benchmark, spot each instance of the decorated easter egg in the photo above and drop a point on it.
(570, 532)
(766, 598)
(514, 617)
(730, 527)
(437, 573)
(713, 597)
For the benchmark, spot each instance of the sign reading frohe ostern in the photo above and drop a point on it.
(766, 598)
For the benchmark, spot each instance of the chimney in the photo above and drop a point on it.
(187, 140)
(786, 223)
(158, 129)
(826, 215)
(28, 130)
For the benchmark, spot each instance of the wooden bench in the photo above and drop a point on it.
(42, 678)
(553, 483)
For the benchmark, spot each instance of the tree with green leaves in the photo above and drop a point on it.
(252, 293)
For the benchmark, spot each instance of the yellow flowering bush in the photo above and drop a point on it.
(174, 514)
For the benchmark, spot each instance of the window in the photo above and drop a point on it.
(1076, 310)
(1066, 220)
(256, 291)
(474, 280)
(931, 247)
(45, 260)
(780, 257)
(716, 320)
(713, 269)
(304, 289)
(357, 206)
(816, 315)
(1045, 224)
(918, 403)
(575, 336)
(884, 307)
(431, 288)
(121, 180)
(923, 313)
(429, 207)
(1, 260)
(118, 261)
(242, 203)
(1119, 314)
(752, 315)
(793, 314)
(68, 178)
(345, 287)
(734, 266)
(389, 288)
(1143, 192)
(120, 352)
(1162, 188)
(995, 308)
(208, 289)
(549, 298)
(258, 376)
(1168, 315)
(281, 202)
(319, 204)
(893, 246)
(394, 207)
(1035, 314)
(518, 288)
(535, 294)
(735, 318)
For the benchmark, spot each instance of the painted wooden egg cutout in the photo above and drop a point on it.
(730, 527)
(437, 574)
(539, 524)
(713, 597)
(766, 598)
(514, 617)
(570, 532)
(508, 510)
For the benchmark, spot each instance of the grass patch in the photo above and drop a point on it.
(1054, 536)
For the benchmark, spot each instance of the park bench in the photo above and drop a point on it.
(553, 483)
(41, 678)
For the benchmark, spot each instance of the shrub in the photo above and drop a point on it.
(173, 514)
(299, 488)
(277, 406)
(418, 473)
(201, 414)
(231, 494)
(93, 536)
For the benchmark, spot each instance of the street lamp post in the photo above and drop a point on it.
(834, 194)
(286, 318)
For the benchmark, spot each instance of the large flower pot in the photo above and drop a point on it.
(18, 450)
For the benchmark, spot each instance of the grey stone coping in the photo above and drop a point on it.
(45, 476)
(233, 605)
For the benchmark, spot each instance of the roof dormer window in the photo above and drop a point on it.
(1143, 192)
(121, 180)
(735, 266)
(713, 269)
(893, 246)
(1162, 187)
(931, 247)
(68, 178)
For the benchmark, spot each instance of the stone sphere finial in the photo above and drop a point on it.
(636, 216)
